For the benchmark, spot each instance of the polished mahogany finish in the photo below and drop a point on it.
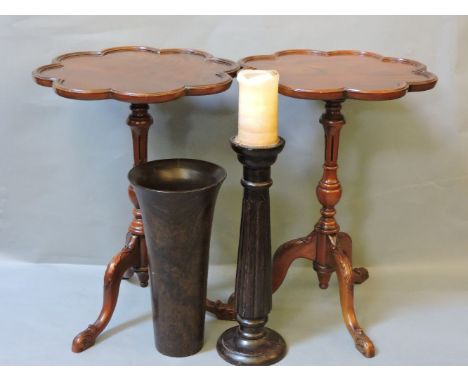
(139, 122)
(138, 75)
(329, 249)
(134, 255)
(251, 343)
(223, 310)
(334, 77)
(342, 74)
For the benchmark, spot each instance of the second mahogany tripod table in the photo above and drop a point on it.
(334, 77)
(139, 76)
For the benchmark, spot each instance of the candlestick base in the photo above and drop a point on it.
(240, 350)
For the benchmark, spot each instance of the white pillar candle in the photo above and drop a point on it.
(258, 108)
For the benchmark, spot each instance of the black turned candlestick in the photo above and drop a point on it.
(251, 343)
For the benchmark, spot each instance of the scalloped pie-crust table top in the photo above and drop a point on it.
(342, 74)
(334, 77)
(138, 75)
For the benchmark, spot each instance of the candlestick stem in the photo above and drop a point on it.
(251, 343)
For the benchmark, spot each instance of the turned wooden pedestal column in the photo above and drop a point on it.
(139, 76)
(333, 77)
(139, 121)
(252, 343)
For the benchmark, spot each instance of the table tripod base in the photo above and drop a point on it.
(346, 281)
(122, 266)
(339, 259)
(119, 264)
(141, 273)
(240, 351)
(305, 248)
(222, 310)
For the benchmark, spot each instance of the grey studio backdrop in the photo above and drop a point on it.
(403, 163)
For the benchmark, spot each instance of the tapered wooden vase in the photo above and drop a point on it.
(177, 199)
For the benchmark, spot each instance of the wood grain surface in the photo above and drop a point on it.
(136, 74)
(312, 74)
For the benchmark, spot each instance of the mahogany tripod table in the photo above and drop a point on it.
(139, 76)
(334, 77)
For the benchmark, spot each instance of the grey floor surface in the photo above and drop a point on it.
(416, 315)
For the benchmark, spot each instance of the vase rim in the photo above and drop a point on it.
(218, 174)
